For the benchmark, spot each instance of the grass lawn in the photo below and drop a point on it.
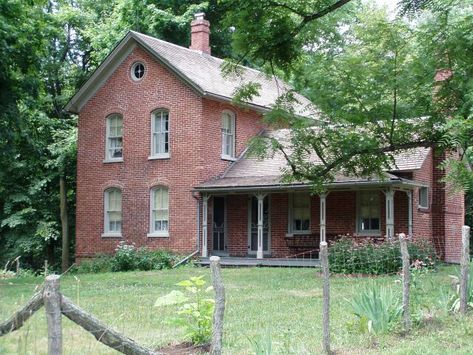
(284, 303)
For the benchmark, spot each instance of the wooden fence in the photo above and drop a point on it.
(57, 305)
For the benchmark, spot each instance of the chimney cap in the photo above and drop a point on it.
(199, 15)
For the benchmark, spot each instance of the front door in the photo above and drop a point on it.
(219, 242)
(253, 226)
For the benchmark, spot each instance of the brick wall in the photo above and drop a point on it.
(194, 156)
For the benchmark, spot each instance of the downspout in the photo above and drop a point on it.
(197, 198)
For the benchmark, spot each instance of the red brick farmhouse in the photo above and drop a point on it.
(162, 164)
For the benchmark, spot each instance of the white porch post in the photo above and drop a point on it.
(323, 200)
(390, 213)
(260, 197)
(409, 212)
(205, 205)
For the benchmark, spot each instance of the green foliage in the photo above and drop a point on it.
(453, 302)
(377, 309)
(196, 309)
(129, 258)
(349, 256)
(264, 345)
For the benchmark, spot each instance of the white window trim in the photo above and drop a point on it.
(428, 198)
(156, 234)
(226, 156)
(106, 233)
(157, 156)
(290, 231)
(107, 134)
(132, 71)
(371, 233)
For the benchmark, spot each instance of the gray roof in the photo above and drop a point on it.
(200, 70)
(251, 171)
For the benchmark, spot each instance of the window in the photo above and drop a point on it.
(137, 71)
(159, 211)
(160, 134)
(114, 138)
(368, 212)
(113, 212)
(300, 213)
(228, 135)
(424, 197)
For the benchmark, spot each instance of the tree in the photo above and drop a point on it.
(370, 77)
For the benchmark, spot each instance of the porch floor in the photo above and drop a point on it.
(270, 262)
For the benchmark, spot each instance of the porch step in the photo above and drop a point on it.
(269, 262)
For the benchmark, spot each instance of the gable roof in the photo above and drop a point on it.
(199, 70)
(253, 172)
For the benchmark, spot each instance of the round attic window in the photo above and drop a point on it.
(137, 71)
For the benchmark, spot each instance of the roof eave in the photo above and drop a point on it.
(409, 184)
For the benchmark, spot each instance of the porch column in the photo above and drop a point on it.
(205, 205)
(323, 200)
(260, 197)
(389, 213)
(409, 213)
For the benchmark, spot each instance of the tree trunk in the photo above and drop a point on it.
(64, 224)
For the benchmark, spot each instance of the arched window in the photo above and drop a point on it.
(228, 135)
(159, 212)
(113, 212)
(114, 139)
(160, 134)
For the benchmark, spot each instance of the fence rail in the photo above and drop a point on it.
(57, 305)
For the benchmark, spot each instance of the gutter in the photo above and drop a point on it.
(305, 186)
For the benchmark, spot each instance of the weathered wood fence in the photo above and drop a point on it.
(57, 305)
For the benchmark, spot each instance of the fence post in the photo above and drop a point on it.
(405, 281)
(326, 296)
(52, 304)
(217, 331)
(464, 269)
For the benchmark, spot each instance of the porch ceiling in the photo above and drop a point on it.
(273, 183)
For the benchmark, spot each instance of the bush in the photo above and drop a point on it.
(100, 263)
(351, 256)
(129, 258)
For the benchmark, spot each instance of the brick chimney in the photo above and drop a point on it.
(200, 32)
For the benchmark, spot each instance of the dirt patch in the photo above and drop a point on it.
(186, 348)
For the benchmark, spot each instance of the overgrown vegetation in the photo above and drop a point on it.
(351, 256)
(377, 309)
(128, 258)
(196, 308)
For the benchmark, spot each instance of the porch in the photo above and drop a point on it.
(268, 262)
(283, 225)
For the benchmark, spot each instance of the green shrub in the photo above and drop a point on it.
(100, 263)
(129, 258)
(376, 309)
(351, 256)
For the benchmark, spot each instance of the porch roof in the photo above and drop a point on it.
(273, 183)
(249, 173)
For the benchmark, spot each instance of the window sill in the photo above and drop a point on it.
(160, 156)
(423, 209)
(229, 158)
(298, 234)
(158, 235)
(106, 161)
(111, 235)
